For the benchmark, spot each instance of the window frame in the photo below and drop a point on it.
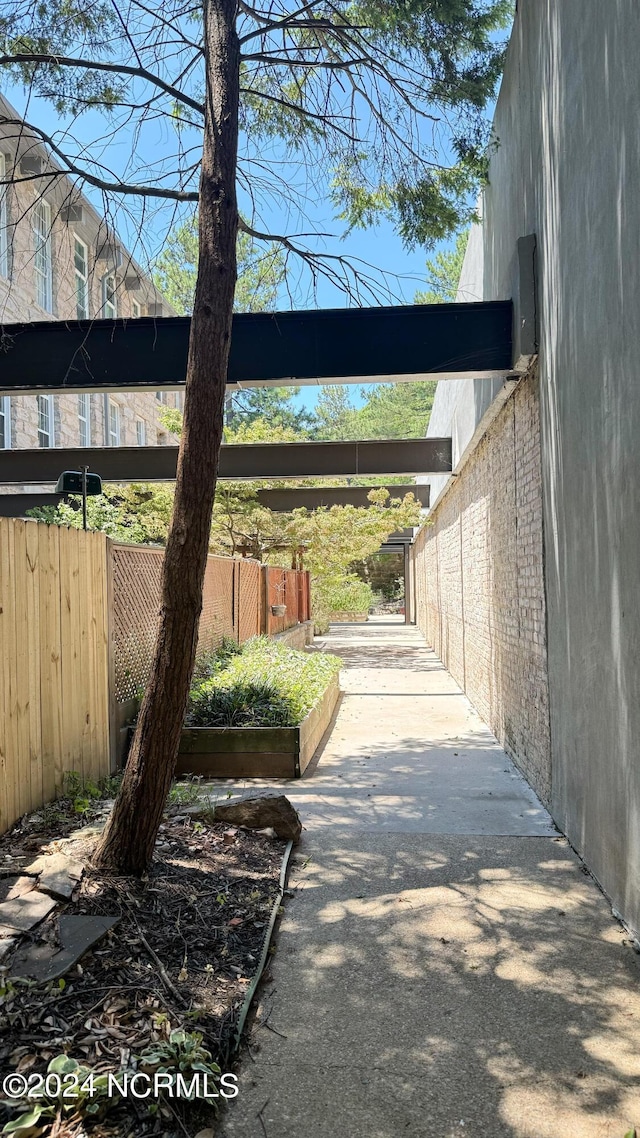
(45, 403)
(141, 432)
(85, 434)
(113, 406)
(43, 247)
(135, 305)
(5, 415)
(109, 310)
(81, 278)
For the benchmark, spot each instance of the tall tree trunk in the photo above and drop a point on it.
(128, 841)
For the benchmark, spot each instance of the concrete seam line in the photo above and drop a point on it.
(248, 1000)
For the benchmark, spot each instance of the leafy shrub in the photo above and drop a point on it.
(181, 1054)
(266, 684)
(349, 594)
(208, 664)
(240, 703)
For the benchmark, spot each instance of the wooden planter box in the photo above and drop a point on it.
(257, 752)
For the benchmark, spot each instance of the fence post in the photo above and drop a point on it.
(114, 741)
(264, 600)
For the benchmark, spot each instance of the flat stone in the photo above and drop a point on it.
(7, 942)
(25, 912)
(261, 812)
(58, 874)
(76, 935)
(12, 866)
(90, 831)
(17, 885)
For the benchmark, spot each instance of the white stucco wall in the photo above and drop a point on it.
(567, 168)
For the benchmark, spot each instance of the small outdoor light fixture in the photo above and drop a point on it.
(79, 482)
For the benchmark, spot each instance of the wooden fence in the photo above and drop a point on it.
(78, 619)
(54, 693)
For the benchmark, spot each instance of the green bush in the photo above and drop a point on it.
(209, 664)
(265, 684)
(348, 595)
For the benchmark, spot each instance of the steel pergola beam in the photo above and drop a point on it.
(313, 498)
(247, 461)
(280, 501)
(340, 345)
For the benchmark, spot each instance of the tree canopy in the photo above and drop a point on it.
(443, 273)
(375, 108)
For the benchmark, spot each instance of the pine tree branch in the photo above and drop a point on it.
(86, 175)
(97, 65)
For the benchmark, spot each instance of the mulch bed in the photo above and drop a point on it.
(182, 955)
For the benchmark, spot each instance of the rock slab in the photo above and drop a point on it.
(26, 911)
(57, 874)
(261, 812)
(76, 935)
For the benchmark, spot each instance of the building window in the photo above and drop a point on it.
(5, 422)
(84, 419)
(135, 309)
(109, 301)
(4, 221)
(45, 420)
(81, 267)
(113, 425)
(179, 400)
(161, 396)
(42, 258)
(141, 432)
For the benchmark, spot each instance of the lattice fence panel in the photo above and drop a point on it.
(137, 573)
(249, 584)
(218, 597)
(230, 607)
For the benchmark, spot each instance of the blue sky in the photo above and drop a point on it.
(379, 246)
(402, 270)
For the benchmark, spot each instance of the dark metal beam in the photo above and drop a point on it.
(280, 501)
(16, 505)
(253, 460)
(340, 345)
(312, 498)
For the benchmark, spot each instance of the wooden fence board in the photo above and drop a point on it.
(54, 691)
(7, 644)
(32, 596)
(101, 724)
(50, 662)
(20, 673)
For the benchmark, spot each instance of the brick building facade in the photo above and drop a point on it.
(59, 260)
(480, 597)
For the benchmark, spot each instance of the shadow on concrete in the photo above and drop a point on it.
(460, 987)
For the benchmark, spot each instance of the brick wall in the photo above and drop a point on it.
(18, 303)
(480, 587)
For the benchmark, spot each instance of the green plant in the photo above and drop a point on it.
(208, 664)
(83, 791)
(185, 793)
(348, 595)
(240, 703)
(181, 1053)
(266, 684)
(89, 1095)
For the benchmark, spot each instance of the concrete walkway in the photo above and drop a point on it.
(445, 967)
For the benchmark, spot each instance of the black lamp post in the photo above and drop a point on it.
(80, 482)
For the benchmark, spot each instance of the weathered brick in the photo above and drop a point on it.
(480, 585)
